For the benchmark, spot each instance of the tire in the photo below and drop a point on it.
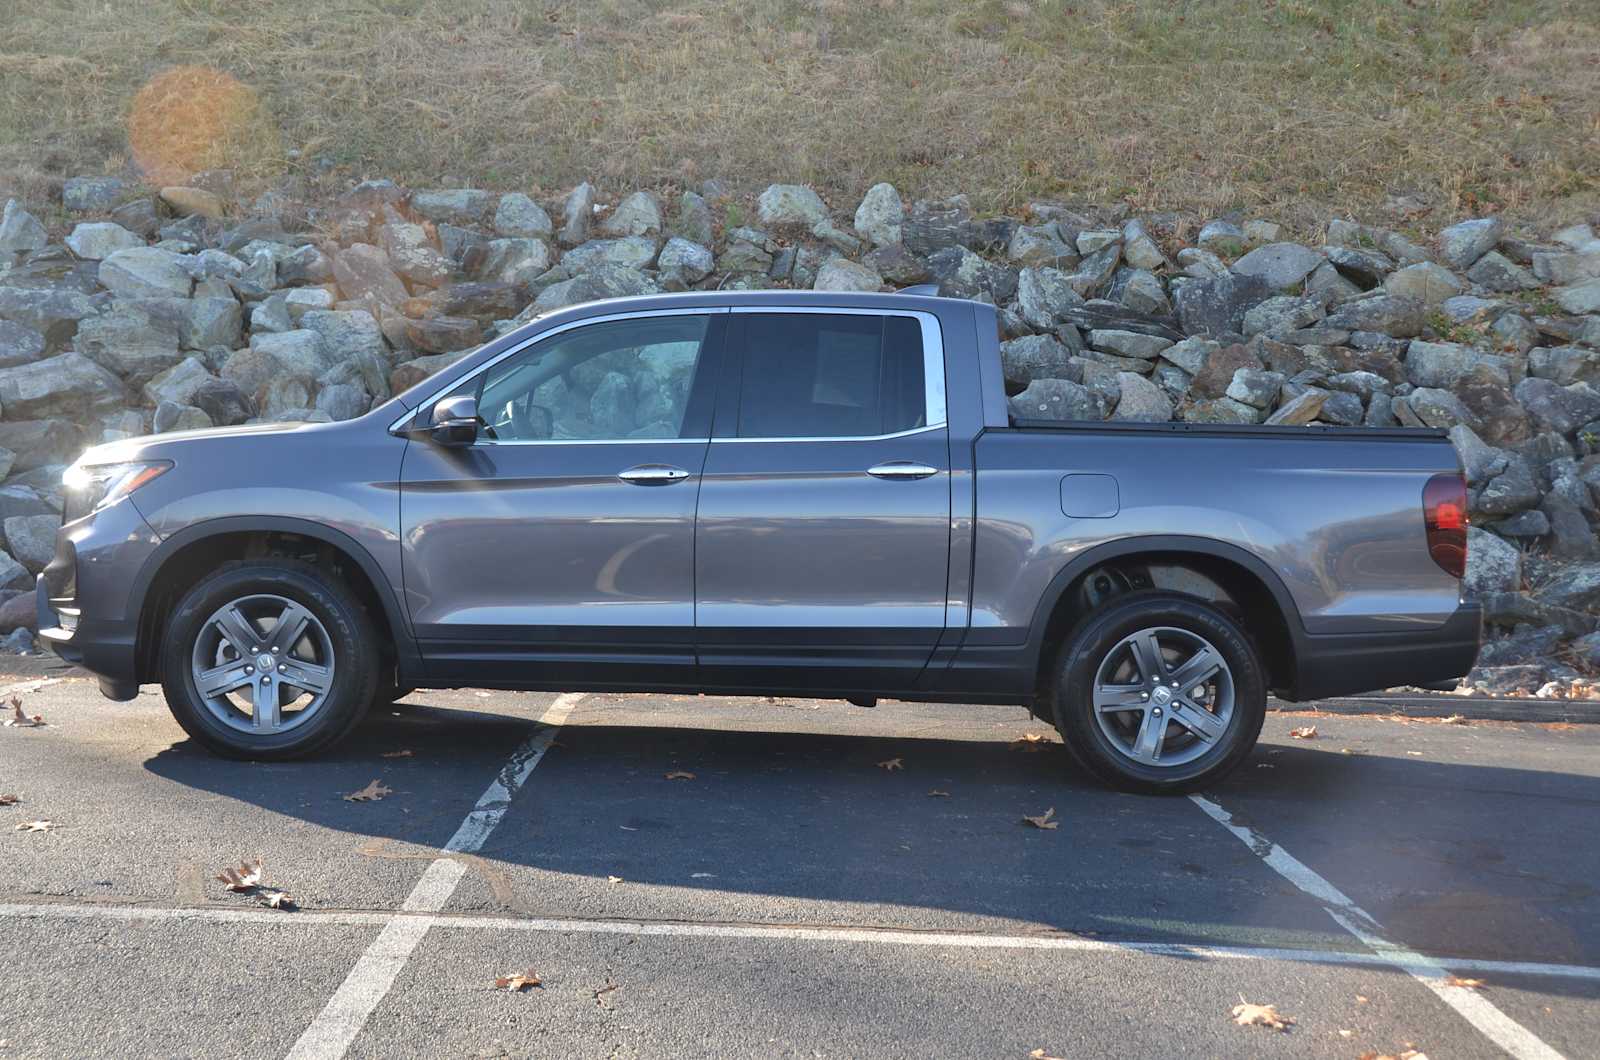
(1145, 735)
(338, 652)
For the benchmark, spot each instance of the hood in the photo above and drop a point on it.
(152, 445)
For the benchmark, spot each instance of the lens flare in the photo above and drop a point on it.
(193, 118)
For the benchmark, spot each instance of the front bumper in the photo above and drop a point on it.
(83, 595)
(1347, 663)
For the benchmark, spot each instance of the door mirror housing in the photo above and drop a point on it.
(454, 421)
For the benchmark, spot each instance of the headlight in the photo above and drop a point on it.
(91, 487)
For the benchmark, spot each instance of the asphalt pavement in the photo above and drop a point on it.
(693, 876)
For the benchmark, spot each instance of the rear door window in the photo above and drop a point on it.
(821, 375)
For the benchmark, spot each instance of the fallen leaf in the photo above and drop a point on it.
(1043, 820)
(398, 754)
(1454, 719)
(613, 879)
(889, 765)
(604, 990)
(1414, 754)
(37, 826)
(21, 719)
(371, 793)
(1245, 1015)
(1346, 1034)
(1361, 999)
(244, 879)
(1470, 984)
(1351, 751)
(1040, 1054)
(680, 774)
(10, 800)
(519, 982)
(935, 793)
(1304, 732)
(1031, 741)
(273, 898)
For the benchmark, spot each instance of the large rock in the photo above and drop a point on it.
(962, 274)
(101, 239)
(1557, 408)
(518, 216)
(1220, 365)
(413, 372)
(69, 385)
(1510, 491)
(637, 215)
(682, 263)
(1043, 293)
(1424, 282)
(40, 443)
(880, 216)
(1128, 343)
(90, 194)
(1446, 364)
(363, 271)
(602, 281)
(178, 384)
(412, 254)
(20, 233)
(145, 272)
(1580, 297)
(1462, 244)
(1387, 314)
(629, 252)
(346, 334)
(1032, 357)
(1282, 266)
(31, 539)
(1255, 387)
(342, 401)
(1308, 405)
(1283, 314)
(1564, 364)
(455, 205)
(1141, 400)
(483, 302)
(790, 204)
(1576, 587)
(577, 215)
(1218, 306)
(192, 202)
(692, 220)
(516, 261)
(1057, 399)
(19, 344)
(842, 274)
(303, 265)
(443, 334)
(130, 341)
(1493, 565)
(223, 402)
(1496, 272)
(200, 323)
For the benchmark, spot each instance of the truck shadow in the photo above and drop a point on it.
(1461, 859)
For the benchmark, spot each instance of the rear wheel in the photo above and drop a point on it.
(269, 659)
(1159, 692)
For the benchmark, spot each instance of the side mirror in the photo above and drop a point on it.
(455, 421)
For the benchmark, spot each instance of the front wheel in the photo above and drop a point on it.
(269, 659)
(1160, 693)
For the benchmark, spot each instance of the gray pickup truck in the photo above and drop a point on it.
(776, 493)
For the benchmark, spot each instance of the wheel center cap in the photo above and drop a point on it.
(265, 662)
(1161, 696)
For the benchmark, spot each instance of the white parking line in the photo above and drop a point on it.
(346, 1012)
(1473, 1007)
(868, 936)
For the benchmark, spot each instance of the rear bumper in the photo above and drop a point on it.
(1346, 663)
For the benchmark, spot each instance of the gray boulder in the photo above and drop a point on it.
(1305, 407)
(1282, 314)
(577, 215)
(518, 217)
(1462, 244)
(412, 255)
(69, 385)
(1218, 306)
(1575, 587)
(1128, 343)
(304, 265)
(1446, 364)
(345, 334)
(145, 272)
(1255, 387)
(101, 239)
(1057, 399)
(1580, 298)
(178, 384)
(842, 274)
(1424, 282)
(454, 205)
(31, 539)
(638, 214)
(363, 272)
(129, 340)
(1040, 245)
(1557, 408)
(692, 220)
(682, 263)
(1512, 490)
(790, 204)
(602, 281)
(1043, 293)
(1282, 266)
(880, 216)
(90, 194)
(1496, 272)
(20, 233)
(170, 416)
(962, 274)
(342, 401)
(520, 260)
(1387, 314)
(1428, 407)
(19, 344)
(1493, 565)
(1141, 400)
(39, 443)
(629, 252)
(1564, 364)
(1032, 357)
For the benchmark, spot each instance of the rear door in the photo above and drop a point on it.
(822, 542)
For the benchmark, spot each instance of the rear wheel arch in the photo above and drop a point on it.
(1218, 573)
(188, 555)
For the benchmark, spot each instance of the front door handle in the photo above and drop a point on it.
(902, 469)
(653, 475)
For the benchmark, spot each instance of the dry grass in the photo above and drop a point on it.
(1296, 108)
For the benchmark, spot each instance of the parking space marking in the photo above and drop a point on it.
(346, 1012)
(797, 932)
(1493, 1024)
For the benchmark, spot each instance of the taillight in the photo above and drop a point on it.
(1444, 511)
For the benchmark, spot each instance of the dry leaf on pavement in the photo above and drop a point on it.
(937, 794)
(1470, 984)
(600, 994)
(1245, 1014)
(37, 826)
(1040, 1054)
(613, 879)
(519, 982)
(1304, 732)
(1030, 741)
(398, 754)
(371, 793)
(20, 718)
(273, 898)
(244, 879)
(1043, 820)
(680, 774)
(1407, 1054)
(889, 765)
(10, 800)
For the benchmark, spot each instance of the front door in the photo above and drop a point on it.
(558, 550)
(823, 538)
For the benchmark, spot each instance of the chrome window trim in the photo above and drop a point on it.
(935, 409)
(534, 340)
(835, 437)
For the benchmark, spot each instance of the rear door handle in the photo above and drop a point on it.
(902, 469)
(653, 475)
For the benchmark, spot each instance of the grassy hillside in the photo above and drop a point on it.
(1294, 107)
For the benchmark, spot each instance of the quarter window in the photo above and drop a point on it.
(610, 381)
(821, 375)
